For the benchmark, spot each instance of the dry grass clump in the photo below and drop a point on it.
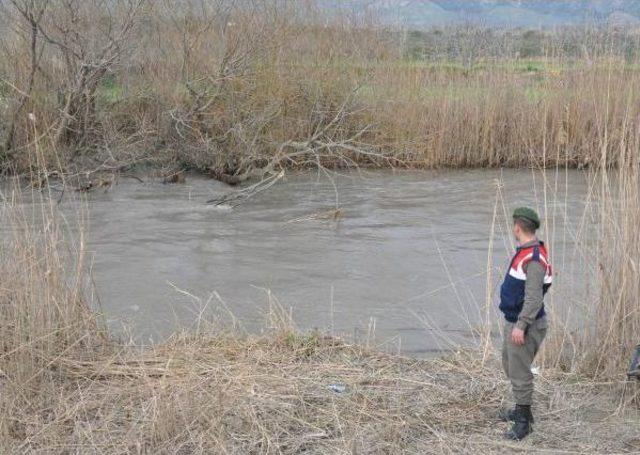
(271, 394)
(43, 280)
(43, 316)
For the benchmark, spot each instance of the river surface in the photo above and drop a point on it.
(406, 265)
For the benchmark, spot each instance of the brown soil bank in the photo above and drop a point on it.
(274, 394)
(239, 93)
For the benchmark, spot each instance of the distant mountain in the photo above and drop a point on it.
(408, 12)
(499, 13)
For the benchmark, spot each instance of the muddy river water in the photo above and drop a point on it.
(408, 259)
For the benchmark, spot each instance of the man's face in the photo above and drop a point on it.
(517, 232)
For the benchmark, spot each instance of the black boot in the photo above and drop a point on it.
(509, 415)
(634, 368)
(522, 425)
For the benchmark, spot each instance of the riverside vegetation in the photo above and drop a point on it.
(250, 92)
(242, 89)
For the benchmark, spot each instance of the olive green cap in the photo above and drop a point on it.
(528, 214)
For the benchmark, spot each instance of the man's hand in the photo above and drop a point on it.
(517, 336)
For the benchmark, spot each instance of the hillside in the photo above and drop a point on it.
(501, 13)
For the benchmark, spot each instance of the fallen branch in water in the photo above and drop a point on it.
(328, 145)
(236, 198)
(328, 215)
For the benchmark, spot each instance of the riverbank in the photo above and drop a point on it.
(241, 93)
(289, 393)
(395, 115)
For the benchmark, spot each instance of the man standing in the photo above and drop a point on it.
(521, 301)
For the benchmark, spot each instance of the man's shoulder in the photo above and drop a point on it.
(533, 266)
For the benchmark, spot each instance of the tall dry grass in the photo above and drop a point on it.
(597, 335)
(44, 317)
(595, 309)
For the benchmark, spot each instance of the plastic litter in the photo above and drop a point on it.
(337, 388)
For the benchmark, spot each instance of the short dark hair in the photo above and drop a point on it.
(526, 225)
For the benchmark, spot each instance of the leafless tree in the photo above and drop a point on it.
(81, 41)
(87, 60)
(32, 11)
